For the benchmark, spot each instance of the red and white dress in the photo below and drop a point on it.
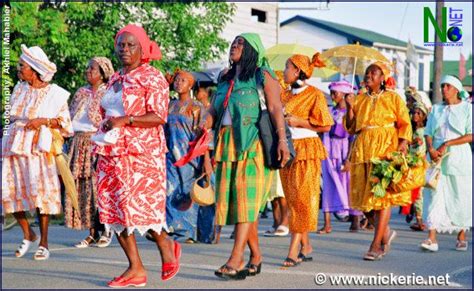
(132, 172)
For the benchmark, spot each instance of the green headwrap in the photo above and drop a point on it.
(254, 40)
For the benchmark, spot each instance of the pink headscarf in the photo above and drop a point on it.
(150, 49)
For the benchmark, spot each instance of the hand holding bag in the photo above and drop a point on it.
(433, 174)
(203, 196)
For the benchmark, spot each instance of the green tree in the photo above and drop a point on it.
(72, 33)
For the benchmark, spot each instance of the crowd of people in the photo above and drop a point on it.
(129, 154)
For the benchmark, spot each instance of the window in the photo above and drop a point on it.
(259, 15)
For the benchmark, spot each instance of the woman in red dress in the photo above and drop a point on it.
(131, 167)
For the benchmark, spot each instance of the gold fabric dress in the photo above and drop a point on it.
(302, 179)
(380, 121)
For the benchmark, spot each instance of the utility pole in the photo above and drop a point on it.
(438, 57)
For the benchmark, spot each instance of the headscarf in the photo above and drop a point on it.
(38, 61)
(386, 68)
(342, 86)
(106, 65)
(254, 40)
(421, 106)
(150, 49)
(306, 65)
(411, 92)
(453, 81)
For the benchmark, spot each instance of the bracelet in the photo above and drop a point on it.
(130, 120)
(284, 140)
(281, 128)
(48, 123)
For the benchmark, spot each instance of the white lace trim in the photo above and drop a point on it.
(142, 229)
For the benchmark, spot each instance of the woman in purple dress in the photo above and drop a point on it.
(336, 166)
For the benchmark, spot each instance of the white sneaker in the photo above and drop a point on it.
(429, 245)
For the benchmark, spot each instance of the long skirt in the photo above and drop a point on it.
(450, 205)
(30, 182)
(132, 193)
(372, 143)
(242, 183)
(81, 164)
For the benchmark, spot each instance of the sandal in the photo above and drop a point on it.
(417, 227)
(281, 231)
(104, 241)
(269, 232)
(169, 270)
(304, 258)
(24, 247)
(373, 256)
(253, 269)
(41, 254)
(231, 274)
(289, 262)
(461, 245)
(85, 243)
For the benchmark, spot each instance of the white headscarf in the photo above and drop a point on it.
(38, 61)
(453, 81)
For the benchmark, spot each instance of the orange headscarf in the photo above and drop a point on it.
(306, 65)
(150, 49)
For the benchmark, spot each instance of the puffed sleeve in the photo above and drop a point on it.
(157, 96)
(403, 123)
(65, 121)
(95, 112)
(320, 115)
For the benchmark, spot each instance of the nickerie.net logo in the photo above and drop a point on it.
(450, 30)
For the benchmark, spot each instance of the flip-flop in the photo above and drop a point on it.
(324, 231)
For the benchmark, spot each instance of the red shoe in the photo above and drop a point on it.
(120, 282)
(171, 268)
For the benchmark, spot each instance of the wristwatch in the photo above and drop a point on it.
(130, 120)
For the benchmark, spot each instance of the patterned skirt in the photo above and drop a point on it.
(242, 183)
(81, 164)
(132, 193)
(30, 182)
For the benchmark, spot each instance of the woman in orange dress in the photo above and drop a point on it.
(307, 114)
(380, 120)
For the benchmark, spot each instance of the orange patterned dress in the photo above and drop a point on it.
(301, 180)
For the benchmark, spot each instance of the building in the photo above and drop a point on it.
(258, 17)
(322, 35)
(452, 68)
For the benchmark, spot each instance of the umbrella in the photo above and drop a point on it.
(278, 54)
(207, 77)
(352, 59)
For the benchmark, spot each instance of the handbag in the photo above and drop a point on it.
(433, 174)
(203, 196)
(412, 179)
(269, 136)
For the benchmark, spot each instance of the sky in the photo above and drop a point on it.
(399, 20)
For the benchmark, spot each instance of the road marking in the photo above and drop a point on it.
(212, 268)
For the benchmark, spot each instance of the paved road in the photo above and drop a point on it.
(338, 253)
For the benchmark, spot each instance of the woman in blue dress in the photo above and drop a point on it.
(185, 219)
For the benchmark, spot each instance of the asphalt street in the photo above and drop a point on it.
(336, 255)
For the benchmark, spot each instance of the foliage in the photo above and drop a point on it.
(391, 170)
(72, 33)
